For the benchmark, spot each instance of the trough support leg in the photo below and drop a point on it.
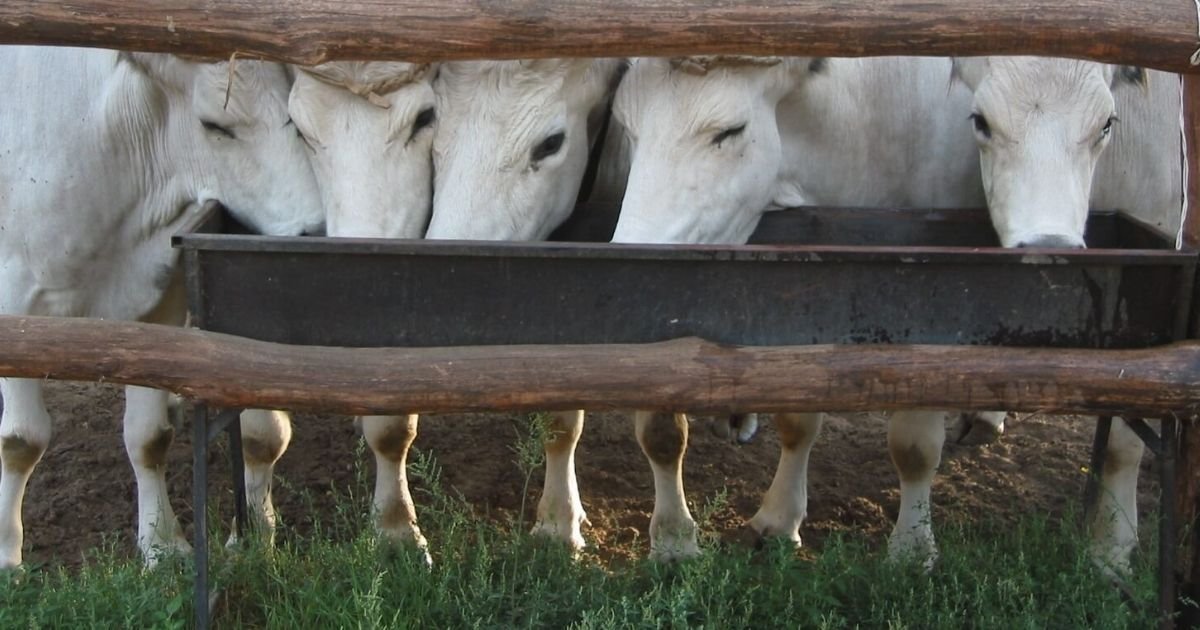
(228, 421)
(238, 466)
(1187, 509)
(1166, 522)
(199, 514)
(1091, 488)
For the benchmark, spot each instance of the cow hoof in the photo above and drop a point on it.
(765, 530)
(751, 537)
(390, 548)
(672, 554)
(404, 538)
(723, 429)
(569, 535)
(736, 428)
(977, 429)
(745, 427)
(163, 553)
(916, 549)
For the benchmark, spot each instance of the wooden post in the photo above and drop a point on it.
(1153, 33)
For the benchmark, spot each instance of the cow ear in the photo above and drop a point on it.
(796, 70)
(1132, 75)
(146, 63)
(593, 81)
(602, 80)
(969, 70)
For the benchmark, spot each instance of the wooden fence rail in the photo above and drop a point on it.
(691, 374)
(1154, 33)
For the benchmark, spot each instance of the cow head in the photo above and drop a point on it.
(706, 145)
(1041, 125)
(227, 127)
(512, 144)
(369, 128)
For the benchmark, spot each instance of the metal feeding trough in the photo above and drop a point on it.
(830, 276)
(811, 276)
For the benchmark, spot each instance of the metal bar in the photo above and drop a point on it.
(1166, 523)
(1091, 490)
(1146, 433)
(237, 468)
(221, 422)
(199, 514)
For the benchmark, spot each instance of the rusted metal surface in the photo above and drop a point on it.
(364, 292)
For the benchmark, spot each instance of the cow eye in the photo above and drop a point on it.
(215, 128)
(726, 134)
(981, 126)
(303, 138)
(424, 119)
(548, 147)
(300, 134)
(1108, 125)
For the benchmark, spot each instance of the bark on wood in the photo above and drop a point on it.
(1154, 33)
(685, 374)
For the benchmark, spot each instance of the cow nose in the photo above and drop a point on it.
(1056, 241)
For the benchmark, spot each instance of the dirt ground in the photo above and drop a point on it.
(82, 493)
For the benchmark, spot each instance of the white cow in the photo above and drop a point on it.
(510, 152)
(1057, 137)
(105, 155)
(685, 113)
(716, 142)
(368, 127)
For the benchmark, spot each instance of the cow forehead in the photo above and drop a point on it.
(243, 89)
(654, 95)
(506, 117)
(1026, 82)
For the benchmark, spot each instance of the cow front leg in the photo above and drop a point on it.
(265, 436)
(148, 435)
(395, 514)
(663, 438)
(25, 429)
(1113, 521)
(560, 512)
(915, 440)
(785, 504)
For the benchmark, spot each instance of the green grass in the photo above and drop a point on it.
(489, 575)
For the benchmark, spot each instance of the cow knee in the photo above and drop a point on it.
(19, 453)
(915, 442)
(265, 435)
(1124, 448)
(148, 433)
(152, 452)
(390, 436)
(25, 425)
(663, 436)
(563, 431)
(797, 430)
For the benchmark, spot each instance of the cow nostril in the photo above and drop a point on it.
(1052, 241)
